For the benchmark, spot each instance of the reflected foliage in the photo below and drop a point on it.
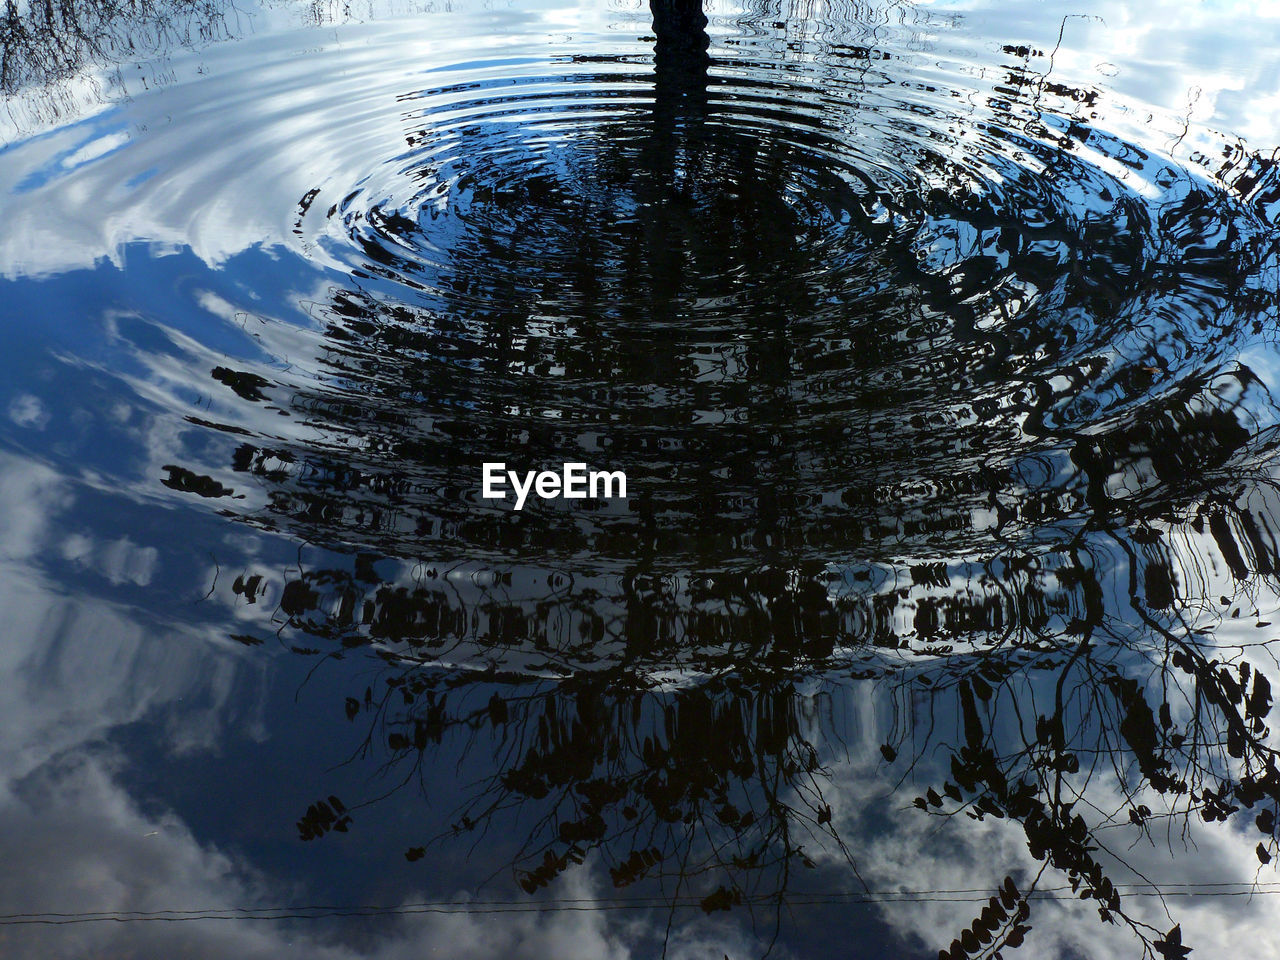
(46, 42)
(982, 458)
(922, 405)
(723, 787)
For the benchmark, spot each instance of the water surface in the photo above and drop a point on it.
(937, 344)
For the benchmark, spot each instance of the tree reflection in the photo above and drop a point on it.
(1068, 642)
(972, 453)
(723, 786)
(44, 43)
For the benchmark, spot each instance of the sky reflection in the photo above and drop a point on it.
(937, 341)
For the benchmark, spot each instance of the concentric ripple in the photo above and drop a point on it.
(841, 319)
(822, 296)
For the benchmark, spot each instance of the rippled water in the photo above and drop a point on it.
(937, 346)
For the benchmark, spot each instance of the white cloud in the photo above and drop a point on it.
(84, 845)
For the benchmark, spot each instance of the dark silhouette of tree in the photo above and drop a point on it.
(47, 41)
(959, 442)
(720, 787)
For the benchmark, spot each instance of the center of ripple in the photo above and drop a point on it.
(831, 328)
